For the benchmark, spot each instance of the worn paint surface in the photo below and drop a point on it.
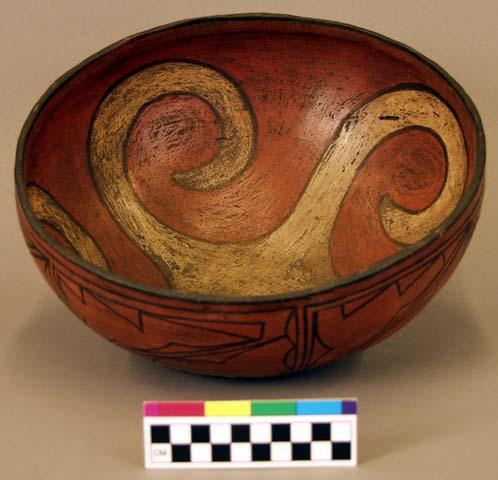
(251, 157)
(295, 255)
(48, 211)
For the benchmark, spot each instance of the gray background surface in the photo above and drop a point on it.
(71, 402)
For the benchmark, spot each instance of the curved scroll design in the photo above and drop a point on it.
(294, 256)
(121, 107)
(48, 210)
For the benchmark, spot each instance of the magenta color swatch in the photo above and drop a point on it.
(174, 409)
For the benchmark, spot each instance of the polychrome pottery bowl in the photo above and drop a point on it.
(250, 195)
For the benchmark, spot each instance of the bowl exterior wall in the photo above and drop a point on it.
(259, 338)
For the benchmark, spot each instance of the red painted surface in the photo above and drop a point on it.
(410, 167)
(295, 83)
(301, 79)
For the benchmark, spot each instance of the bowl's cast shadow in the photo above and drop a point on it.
(441, 342)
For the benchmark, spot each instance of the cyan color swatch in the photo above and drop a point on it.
(332, 407)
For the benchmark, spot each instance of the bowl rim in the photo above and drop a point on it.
(192, 297)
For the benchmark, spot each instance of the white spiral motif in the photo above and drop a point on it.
(295, 255)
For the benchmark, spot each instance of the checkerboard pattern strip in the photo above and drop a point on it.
(173, 442)
(256, 442)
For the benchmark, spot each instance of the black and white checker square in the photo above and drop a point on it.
(257, 442)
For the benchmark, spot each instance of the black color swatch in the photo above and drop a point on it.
(301, 451)
(261, 452)
(159, 433)
(341, 451)
(280, 432)
(180, 453)
(200, 433)
(240, 433)
(320, 431)
(220, 453)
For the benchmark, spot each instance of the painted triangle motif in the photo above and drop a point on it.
(319, 351)
(240, 330)
(431, 270)
(70, 288)
(358, 303)
(451, 250)
(128, 314)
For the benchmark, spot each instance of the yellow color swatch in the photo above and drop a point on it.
(222, 409)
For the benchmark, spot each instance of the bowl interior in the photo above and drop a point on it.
(248, 156)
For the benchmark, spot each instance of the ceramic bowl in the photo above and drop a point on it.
(250, 195)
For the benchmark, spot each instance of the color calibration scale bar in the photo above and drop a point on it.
(250, 433)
